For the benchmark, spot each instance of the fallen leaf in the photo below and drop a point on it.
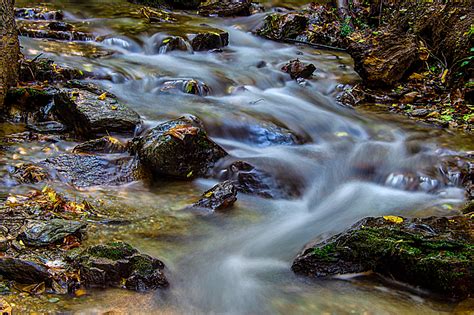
(180, 131)
(102, 96)
(393, 219)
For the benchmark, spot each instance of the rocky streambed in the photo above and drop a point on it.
(162, 154)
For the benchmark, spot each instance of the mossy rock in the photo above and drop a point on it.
(434, 253)
(119, 264)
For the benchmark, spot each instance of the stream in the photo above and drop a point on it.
(351, 164)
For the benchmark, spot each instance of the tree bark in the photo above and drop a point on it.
(9, 48)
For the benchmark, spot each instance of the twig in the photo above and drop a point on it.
(35, 58)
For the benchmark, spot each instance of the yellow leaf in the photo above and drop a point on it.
(342, 134)
(443, 77)
(209, 194)
(113, 107)
(189, 174)
(102, 96)
(393, 219)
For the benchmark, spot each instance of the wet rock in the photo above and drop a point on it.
(38, 14)
(209, 40)
(420, 112)
(433, 253)
(30, 104)
(47, 127)
(173, 43)
(91, 112)
(113, 263)
(283, 26)
(23, 271)
(226, 8)
(297, 69)
(178, 148)
(45, 233)
(89, 170)
(29, 173)
(60, 26)
(43, 69)
(186, 86)
(102, 145)
(249, 180)
(219, 197)
(57, 35)
(383, 59)
(262, 134)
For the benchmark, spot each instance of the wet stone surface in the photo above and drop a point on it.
(93, 111)
(178, 148)
(219, 197)
(88, 170)
(43, 233)
(434, 253)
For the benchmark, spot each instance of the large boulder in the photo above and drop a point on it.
(117, 264)
(435, 253)
(383, 58)
(91, 111)
(178, 148)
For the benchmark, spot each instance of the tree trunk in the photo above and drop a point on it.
(9, 48)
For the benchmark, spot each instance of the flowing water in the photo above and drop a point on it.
(350, 166)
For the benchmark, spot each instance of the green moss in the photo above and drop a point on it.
(113, 251)
(142, 264)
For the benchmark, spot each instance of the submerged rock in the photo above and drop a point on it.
(106, 144)
(186, 86)
(178, 148)
(89, 170)
(118, 263)
(43, 233)
(219, 197)
(257, 133)
(226, 8)
(91, 112)
(249, 180)
(23, 271)
(296, 69)
(209, 40)
(433, 253)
